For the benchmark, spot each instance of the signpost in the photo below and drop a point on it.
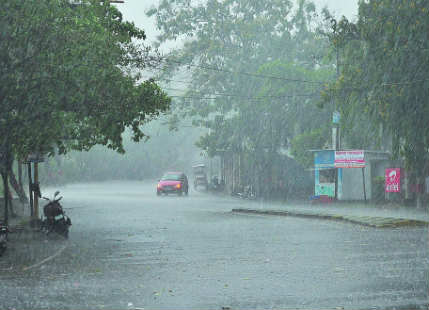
(30, 190)
(349, 159)
(35, 158)
(336, 117)
(336, 142)
(393, 180)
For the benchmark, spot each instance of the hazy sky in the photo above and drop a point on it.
(134, 10)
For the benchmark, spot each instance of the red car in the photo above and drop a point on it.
(173, 183)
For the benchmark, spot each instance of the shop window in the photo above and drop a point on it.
(327, 176)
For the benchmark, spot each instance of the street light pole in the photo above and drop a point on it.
(337, 127)
(36, 192)
(30, 190)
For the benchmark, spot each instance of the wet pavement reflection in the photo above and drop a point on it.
(129, 249)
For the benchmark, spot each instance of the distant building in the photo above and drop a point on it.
(350, 180)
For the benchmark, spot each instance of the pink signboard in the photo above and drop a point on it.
(393, 180)
(349, 159)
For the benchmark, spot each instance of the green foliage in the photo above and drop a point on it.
(256, 68)
(241, 36)
(165, 150)
(385, 80)
(301, 144)
(66, 79)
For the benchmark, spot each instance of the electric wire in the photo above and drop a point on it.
(280, 78)
(247, 98)
(245, 73)
(243, 97)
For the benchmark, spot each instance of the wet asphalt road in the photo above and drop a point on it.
(130, 249)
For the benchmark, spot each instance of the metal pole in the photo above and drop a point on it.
(337, 128)
(36, 196)
(6, 198)
(30, 190)
(336, 169)
(363, 180)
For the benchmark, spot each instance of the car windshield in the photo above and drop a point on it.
(214, 154)
(171, 177)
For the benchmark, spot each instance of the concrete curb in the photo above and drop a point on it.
(369, 221)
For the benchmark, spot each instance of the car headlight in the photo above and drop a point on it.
(178, 186)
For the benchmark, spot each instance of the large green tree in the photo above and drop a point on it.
(69, 78)
(384, 77)
(255, 71)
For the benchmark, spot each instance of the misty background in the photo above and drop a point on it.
(166, 148)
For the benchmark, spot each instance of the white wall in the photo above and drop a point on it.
(352, 188)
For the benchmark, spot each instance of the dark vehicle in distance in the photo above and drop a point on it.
(173, 183)
(200, 177)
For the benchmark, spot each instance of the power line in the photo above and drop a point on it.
(170, 80)
(247, 98)
(379, 86)
(244, 97)
(275, 77)
(404, 83)
(246, 73)
(382, 84)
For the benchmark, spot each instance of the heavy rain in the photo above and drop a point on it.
(214, 154)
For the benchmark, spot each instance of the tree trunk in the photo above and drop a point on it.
(6, 197)
(20, 175)
(10, 202)
(7, 167)
(17, 187)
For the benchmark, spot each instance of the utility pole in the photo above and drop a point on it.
(37, 191)
(33, 186)
(30, 189)
(79, 2)
(336, 128)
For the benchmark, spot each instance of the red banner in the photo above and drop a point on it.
(393, 180)
(349, 159)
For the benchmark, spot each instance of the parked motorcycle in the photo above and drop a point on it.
(55, 219)
(3, 237)
(215, 186)
(247, 193)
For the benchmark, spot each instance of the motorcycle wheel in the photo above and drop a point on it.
(3, 244)
(62, 228)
